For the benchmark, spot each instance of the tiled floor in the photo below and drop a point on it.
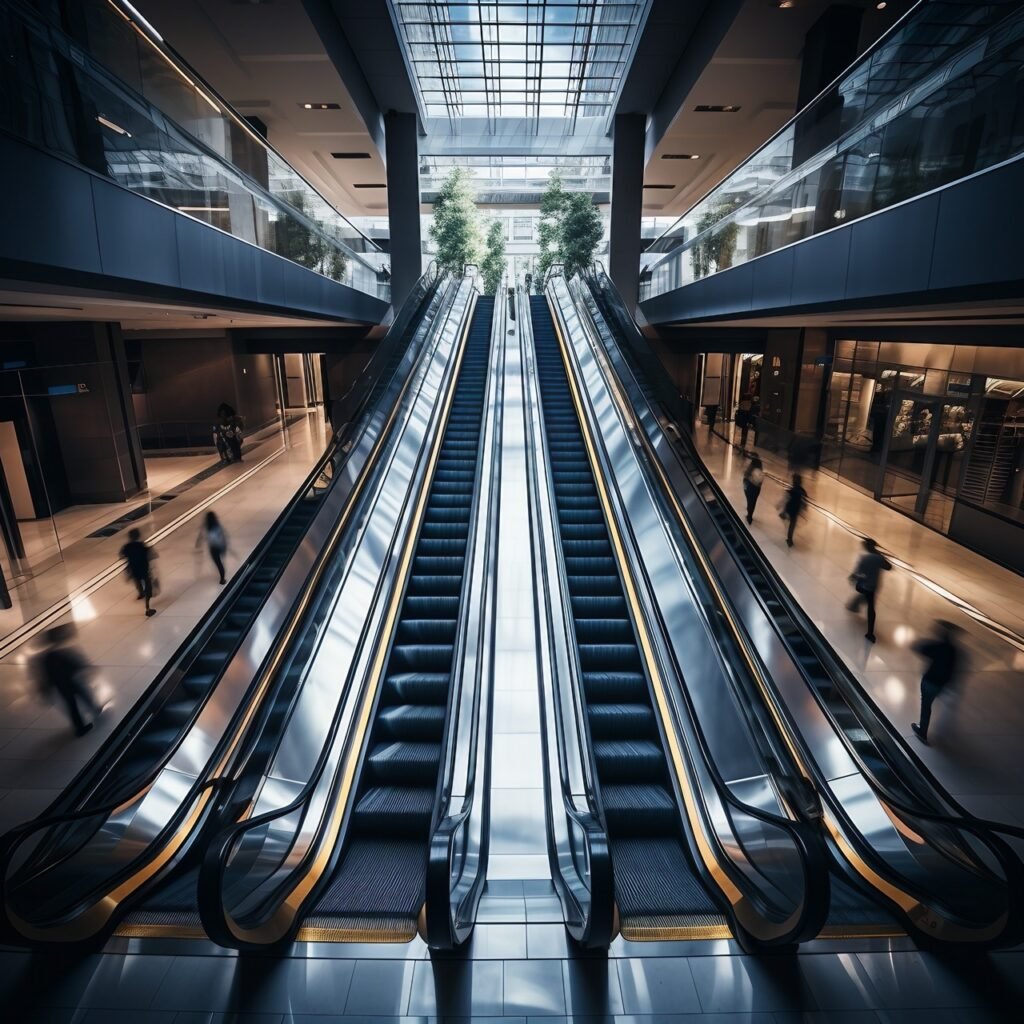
(38, 753)
(977, 737)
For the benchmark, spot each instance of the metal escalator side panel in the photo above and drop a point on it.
(256, 893)
(762, 863)
(882, 843)
(144, 833)
(654, 899)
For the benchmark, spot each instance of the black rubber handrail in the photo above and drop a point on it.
(987, 832)
(222, 845)
(804, 838)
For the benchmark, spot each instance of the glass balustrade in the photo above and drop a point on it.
(104, 90)
(937, 99)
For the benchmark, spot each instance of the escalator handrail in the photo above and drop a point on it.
(838, 670)
(448, 925)
(597, 926)
(802, 836)
(223, 844)
(987, 832)
(16, 836)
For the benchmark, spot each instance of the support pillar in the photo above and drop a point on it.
(403, 179)
(627, 205)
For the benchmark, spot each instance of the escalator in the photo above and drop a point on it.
(655, 882)
(378, 885)
(140, 801)
(905, 855)
(335, 843)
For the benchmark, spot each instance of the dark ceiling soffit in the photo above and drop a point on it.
(321, 13)
(371, 40)
(667, 91)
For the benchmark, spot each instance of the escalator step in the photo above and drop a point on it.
(430, 586)
(604, 631)
(603, 607)
(598, 657)
(594, 586)
(602, 687)
(385, 809)
(402, 760)
(421, 657)
(431, 607)
(639, 810)
(416, 688)
(615, 721)
(412, 722)
(425, 631)
(628, 760)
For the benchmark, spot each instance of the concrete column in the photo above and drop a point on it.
(627, 205)
(403, 179)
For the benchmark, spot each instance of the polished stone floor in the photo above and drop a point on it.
(519, 965)
(977, 736)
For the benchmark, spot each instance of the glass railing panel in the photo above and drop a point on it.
(106, 93)
(938, 99)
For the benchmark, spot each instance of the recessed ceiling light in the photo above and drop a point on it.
(881, 6)
(351, 156)
(680, 156)
(320, 106)
(785, 4)
(716, 108)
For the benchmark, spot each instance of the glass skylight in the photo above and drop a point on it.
(559, 59)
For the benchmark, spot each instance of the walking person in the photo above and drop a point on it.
(944, 661)
(712, 414)
(753, 478)
(866, 579)
(212, 531)
(61, 669)
(793, 506)
(743, 417)
(138, 557)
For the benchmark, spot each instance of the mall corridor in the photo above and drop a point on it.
(511, 511)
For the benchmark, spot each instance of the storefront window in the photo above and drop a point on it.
(994, 477)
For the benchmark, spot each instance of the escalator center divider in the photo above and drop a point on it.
(377, 888)
(656, 887)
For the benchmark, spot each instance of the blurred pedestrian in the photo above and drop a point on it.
(138, 557)
(62, 669)
(227, 433)
(755, 417)
(793, 506)
(866, 579)
(945, 660)
(712, 414)
(212, 531)
(753, 478)
(743, 415)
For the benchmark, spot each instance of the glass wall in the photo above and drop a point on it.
(106, 93)
(940, 98)
(924, 426)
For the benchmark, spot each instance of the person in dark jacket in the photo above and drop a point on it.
(744, 416)
(216, 542)
(227, 433)
(865, 579)
(944, 662)
(753, 479)
(61, 669)
(793, 506)
(138, 559)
